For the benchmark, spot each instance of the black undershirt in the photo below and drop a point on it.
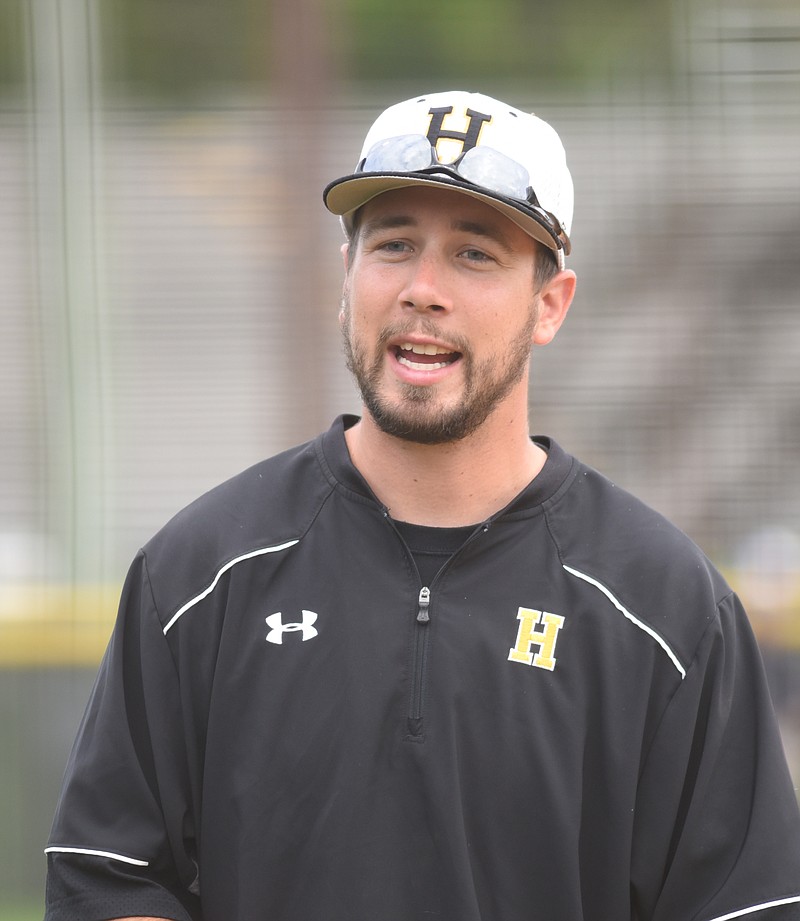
(432, 547)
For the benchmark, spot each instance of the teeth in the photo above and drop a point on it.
(422, 366)
(426, 349)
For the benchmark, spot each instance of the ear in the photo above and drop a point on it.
(554, 300)
(346, 256)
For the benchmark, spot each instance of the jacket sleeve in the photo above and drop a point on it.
(122, 841)
(717, 826)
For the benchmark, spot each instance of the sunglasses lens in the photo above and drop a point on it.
(493, 170)
(407, 153)
(482, 166)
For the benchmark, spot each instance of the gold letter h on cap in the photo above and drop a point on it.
(468, 138)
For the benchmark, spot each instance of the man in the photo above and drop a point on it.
(426, 666)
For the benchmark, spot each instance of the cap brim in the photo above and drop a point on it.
(346, 195)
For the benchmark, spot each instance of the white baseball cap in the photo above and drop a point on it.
(489, 150)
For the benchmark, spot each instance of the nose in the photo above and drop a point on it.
(426, 288)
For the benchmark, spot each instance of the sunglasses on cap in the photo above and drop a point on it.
(484, 167)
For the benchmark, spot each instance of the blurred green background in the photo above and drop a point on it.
(169, 288)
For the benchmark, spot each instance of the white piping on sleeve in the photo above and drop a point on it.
(229, 565)
(92, 853)
(792, 900)
(634, 620)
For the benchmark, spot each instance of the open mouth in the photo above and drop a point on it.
(424, 357)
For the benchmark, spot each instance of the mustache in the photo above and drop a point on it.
(413, 326)
(422, 327)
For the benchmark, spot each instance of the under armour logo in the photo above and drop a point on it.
(278, 627)
(468, 138)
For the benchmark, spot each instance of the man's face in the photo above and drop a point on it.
(438, 314)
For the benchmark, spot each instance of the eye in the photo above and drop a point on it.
(393, 247)
(391, 250)
(476, 255)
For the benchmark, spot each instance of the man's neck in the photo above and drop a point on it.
(448, 485)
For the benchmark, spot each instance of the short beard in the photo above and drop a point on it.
(417, 419)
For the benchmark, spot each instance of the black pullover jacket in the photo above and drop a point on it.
(569, 723)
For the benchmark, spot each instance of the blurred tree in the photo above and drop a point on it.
(507, 40)
(304, 71)
(12, 44)
(184, 48)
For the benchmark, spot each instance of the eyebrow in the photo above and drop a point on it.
(490, 231)
(387, 222)
(397, 221)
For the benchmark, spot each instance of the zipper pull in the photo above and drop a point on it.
(424, 601)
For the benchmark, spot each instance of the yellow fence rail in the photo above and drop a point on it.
(69, 624)
(55, 625)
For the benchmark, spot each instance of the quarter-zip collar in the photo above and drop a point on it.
(558, 470)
